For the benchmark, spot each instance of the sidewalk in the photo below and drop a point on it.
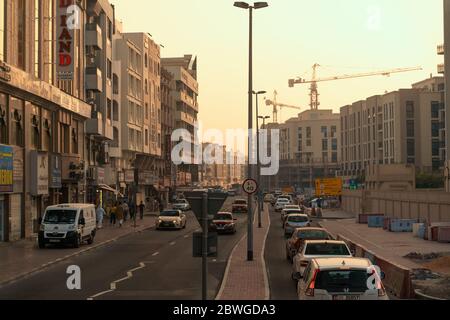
(23, 258)
(245, 280)
(389, 245)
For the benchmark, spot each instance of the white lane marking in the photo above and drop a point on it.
(155, 254)
(173, 243)
(186, 236)
(263, 252)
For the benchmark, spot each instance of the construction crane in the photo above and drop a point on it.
(277, 105)
(314, 92)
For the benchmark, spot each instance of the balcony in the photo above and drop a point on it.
(440, 49)
(94, 79)
(441, 68)
(94, 126)
(94, 36)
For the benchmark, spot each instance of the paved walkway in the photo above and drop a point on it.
(23, 258)
(245, 280)
(389, 245)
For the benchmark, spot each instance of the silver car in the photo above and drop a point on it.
(171, 219)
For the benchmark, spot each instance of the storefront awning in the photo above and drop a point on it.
(104, 187)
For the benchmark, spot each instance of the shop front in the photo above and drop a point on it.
(6, 188)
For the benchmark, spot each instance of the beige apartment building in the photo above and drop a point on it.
(184, 71)
(309, 149)
(401, 127)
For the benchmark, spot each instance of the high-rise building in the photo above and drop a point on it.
(184, 71)
(167, 125)
(400, 127)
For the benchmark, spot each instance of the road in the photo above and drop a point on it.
(164, 258)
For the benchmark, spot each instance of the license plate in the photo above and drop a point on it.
(55, 241)
(343, 297)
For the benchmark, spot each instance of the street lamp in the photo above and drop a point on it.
(258, 162)
(244, 5)
(263, 127)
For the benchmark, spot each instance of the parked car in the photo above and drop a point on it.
(294, 221)
(171, 219)
(287, 211)
(280, 204)
(223, 222)
(240, 206)
(340, 279)
(312, 249)
(232, 193)
(70, 224)
(300, 235)
(181, 204)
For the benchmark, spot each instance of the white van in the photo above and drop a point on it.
(68, 224)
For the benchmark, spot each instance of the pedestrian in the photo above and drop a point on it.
(113, 212)
(126, 210)
(141, 210)
(120, 214)
(132, 210)
(99, 213)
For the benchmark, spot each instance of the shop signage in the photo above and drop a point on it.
(146, 178)
(100, 176)
(65, 66)
(129, 176)
(121, 176)
(6, 169)
(39, 173)
(55, 172)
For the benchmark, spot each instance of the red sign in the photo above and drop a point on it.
(65, 66)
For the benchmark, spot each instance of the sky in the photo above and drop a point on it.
(344, 36)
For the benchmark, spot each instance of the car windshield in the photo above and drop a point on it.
(298, 219)
(60, 216)
(288, 212)
(170, 214)
(326, 249)
(283, 201)
(312, 235)
(240, 202)
(223, 217)
(339, 281)
(180, 202)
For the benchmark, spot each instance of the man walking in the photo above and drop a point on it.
(120, 214)
(141, 210)
(100, 213)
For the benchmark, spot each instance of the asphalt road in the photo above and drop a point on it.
(279, 269)
(167, 269)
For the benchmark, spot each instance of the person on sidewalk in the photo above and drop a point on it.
(141, 210)
(113, 214)
(120, 214)
(100, 213)
(132, 210)
(126, 211)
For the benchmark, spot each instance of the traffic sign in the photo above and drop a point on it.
(250, 186)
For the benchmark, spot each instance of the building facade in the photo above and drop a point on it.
(309, 149)
(401, 127)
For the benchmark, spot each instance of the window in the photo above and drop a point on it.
(17, 122)
(324, 131)
(21, 33)
(115, 84)
(308, 132)
(108, 109)
(75, 138)
(435, 109)
(115, 111)
(325, 157)
(300, 133)
(410, 128)
(146, 137)
(35, 128)
(115, 143)
(411, 148)
(109, 69)
(308, 143)
(334, 144)
(435, 146)
(435, 127)
(334, 157)
(37, 42)
(50, 41)
(146, 111)
(110, 30)
(333, 131)
(324, 145)
(47, 132)
(3, 118)
(64, 138)
(410, 109)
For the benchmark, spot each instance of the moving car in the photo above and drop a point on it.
(68, 224)
(223, 222)
(287, 211)
(171, 219)
(312, 249)
(300, 235)
(232, 193)
(294, 221)
(240, 206)
(182, 204)
(269, 198)
(341, 279)
(280, 204)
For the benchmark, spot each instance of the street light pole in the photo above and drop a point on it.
(258, 162)
(256, 5)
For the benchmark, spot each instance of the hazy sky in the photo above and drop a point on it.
(345, 36)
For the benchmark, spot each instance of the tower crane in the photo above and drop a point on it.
(314, 92)
(277, 105)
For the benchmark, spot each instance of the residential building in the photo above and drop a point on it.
(42, 113)
(167, 125)
(400, 127)
(184, 70)
(309, 149)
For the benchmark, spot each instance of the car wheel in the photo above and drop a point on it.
(91, 239)
(41, 244)
(77, 242)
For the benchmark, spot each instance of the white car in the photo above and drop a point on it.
(68, 224)
(341, 279)
(181, 204)
(290, 209)
(280, 204)
(294, 221)
(171, 219)
(313, 249)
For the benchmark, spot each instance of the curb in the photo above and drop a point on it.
(75, 254)
(420, 295)
(263, 260)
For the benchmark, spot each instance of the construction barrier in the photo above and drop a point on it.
(397, 279)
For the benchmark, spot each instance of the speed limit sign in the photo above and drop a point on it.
(250, 186)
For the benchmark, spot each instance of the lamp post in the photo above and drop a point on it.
(246, 6)
(258, 162)
(263, 127)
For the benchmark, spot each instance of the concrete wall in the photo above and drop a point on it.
(432, 206)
